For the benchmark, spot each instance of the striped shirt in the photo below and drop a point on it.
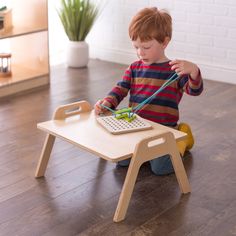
(141, 81)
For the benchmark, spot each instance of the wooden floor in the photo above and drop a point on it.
(80, 192)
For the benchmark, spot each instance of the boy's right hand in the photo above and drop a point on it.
(99, 109)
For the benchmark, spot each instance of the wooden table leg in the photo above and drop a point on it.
(127, 190)
(146, 150)
(180, 172)
(45, 155)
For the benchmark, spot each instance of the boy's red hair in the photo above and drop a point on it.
(151, 23)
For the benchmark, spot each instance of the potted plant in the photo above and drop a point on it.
(77, 17)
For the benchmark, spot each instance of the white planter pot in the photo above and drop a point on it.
(77, 54)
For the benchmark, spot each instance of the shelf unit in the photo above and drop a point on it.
(27, 41)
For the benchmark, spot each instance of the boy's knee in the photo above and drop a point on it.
(160, 171)
(162, 165)
(124, 163)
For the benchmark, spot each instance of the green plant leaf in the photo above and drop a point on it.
(78, 17)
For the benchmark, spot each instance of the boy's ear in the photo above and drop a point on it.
(166, 41)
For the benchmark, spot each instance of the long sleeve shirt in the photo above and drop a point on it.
(141, 81)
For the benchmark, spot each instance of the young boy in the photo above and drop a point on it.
(150, 31)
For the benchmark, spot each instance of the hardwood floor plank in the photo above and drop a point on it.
(80, 192)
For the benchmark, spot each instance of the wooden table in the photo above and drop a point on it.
(76, 123)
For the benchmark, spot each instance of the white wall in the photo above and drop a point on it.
(204, 32)
(57, 36)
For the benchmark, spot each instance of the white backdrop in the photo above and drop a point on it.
(204, 31)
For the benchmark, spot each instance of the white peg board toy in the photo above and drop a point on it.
(120, 126)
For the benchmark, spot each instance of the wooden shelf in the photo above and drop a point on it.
(20, 31)
(28, 43)
(23, 85)
(23, 78)
(20, 73)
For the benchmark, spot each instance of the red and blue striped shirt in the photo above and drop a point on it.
(141, 81)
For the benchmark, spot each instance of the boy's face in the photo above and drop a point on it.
(150, 51)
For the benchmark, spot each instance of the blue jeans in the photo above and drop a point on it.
(159, 166)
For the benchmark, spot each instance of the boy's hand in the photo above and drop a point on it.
(182, 67)
(99, 109)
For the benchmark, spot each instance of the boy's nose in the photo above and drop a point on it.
(140, 52)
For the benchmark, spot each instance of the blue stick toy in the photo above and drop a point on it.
(173, 78)
(128, 113)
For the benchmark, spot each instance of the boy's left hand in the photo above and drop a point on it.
(182, 67)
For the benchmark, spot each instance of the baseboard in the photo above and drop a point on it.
(217, 73)
(211, 72)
